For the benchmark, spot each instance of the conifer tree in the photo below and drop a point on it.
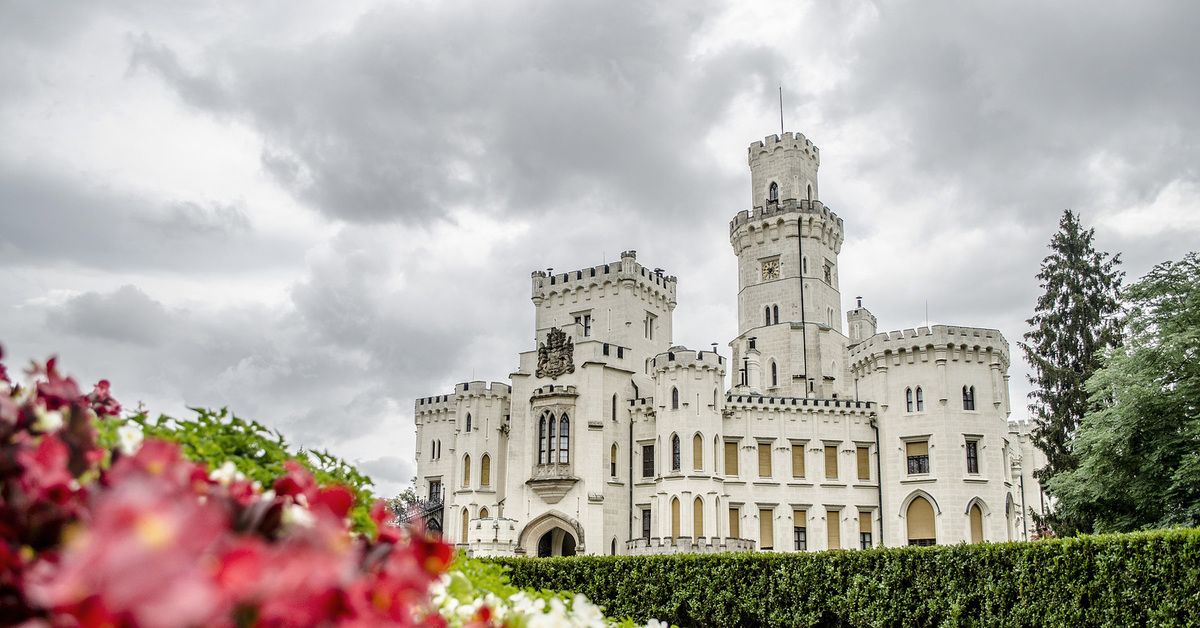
(1076, 319)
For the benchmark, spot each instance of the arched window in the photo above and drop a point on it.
(485, 471)
(564, 441)
(675, 517)
(466, 517)
(908, 400)
(468, 421)
(612, 461)
(433, 450)
(774, 374)
(698, 453)
(614, 408)
(674, 398)
(775, 311)
(976, 524)
(968, 398)
(767, 315)
(920, 522)
(613, 551)
(675, 452)
(483, 513)
(542, 440)
(697, 519)
(550, 422)
(920, 400)
(773, 193)
(466, 470)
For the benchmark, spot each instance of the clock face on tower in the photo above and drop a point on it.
(770, 269)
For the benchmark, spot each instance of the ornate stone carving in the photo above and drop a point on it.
(556, 356)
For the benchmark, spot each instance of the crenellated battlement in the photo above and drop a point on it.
(790, 209)
(789, 141)
(680, 357)
(482, 389)
(653, 281)
(756, 401)
(966, 343)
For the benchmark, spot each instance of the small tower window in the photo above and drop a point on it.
(767, 315)
(968, 398)
(466, 474)
(485, 472)
(920, 400)
(542, 440)
(674, 398)
(612, 461)
(468, 421)
(773, 193)
(908, 400)
(774, 374)
(564, 441)
(675, 462)
(775, 311)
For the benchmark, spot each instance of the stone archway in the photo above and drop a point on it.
(530, 541)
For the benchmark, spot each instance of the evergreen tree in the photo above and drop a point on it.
(1075, 321)
(1138, 449)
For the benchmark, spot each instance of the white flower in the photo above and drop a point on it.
(297, 515)
(48, 421)
(131, 437)
(226, 474)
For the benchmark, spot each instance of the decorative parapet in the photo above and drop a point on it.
(552, 481)
(680, 357)
(653, 281)
(966, 343)
(686, 545)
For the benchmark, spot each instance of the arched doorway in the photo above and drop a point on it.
(556, 542)
(976, 524)
(920, 522)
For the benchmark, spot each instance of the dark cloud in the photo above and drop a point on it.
(125, 315)
(522, 108)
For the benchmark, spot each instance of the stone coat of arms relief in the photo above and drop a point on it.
(556, 356)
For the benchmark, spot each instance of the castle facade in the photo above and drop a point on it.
(610, 440)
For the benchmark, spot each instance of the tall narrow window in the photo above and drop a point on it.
(797, 460)
(831, 467)
(908, 402)
(697, 453)
(968, 398)
(675, 517)
(675, 455)
(920, 400)
(433, 450)
(731, 459)
(612, 461)
(466, 520)
(614, 408)
(810, 192)
(764, 460)
(972, 456)
(646, 523)
(674, 398)
(773, 193)
(485, 471)
(976, 524)
(766, 529)
(774, 374)
(864, 529)
(834, 528)
(828, 274)
(735, 523)
(697, 519)
(920, 522)
(864, 463)
(564, 441)
(775, 311)
(767, 315)
(435, 490)
(918, 457)
(466, 470)
(647, 461)
(468, 421)
(800, 530)
(542, 440)
(550, 454)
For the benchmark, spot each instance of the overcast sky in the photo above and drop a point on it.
(313, 212)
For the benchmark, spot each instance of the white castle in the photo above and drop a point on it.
(610, 440)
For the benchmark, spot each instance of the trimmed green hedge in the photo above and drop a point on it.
(1140, 579)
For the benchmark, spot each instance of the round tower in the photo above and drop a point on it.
(789, 302)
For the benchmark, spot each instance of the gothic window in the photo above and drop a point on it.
(485, 471)
(674, 398)
(774, 374)
(466, 474)
(767, 315)
(908, 400)
(920, 522)
(698, 453)
(550, 423)
(468, 421)
(697, 519)
(433, 450)
(968, 398)
(466, 518)
(775, 310)
(564, 441)
(483, 513)
(773, 193)
(675, 452)
(920, 400)
(612, 461)
(542, 440)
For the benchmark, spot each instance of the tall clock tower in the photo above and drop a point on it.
(790, 341)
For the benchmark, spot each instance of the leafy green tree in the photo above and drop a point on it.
(1138, 450)
(1076, 320)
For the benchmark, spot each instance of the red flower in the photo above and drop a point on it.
(102, 402)
(44, 475)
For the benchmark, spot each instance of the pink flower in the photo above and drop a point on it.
(44, 473)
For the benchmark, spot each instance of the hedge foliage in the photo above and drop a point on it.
(1139, 579)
